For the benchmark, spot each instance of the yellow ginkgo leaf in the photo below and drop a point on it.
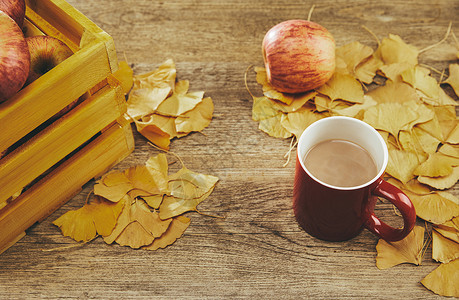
(134, 235)
(296, 104)
(164, 75)
(273, 126)
(158, 167)
(150, 90)
(394, 50)
(418, 141)
(353, 54)
(453, 78)
(142, 180)
(449, 229)
(142, 102)
(188, 184)
(175, 230)
(263, 108)
(443, 99)
(113, 192)
(443, 249)
(114, 178)
(436, 165)
(137, 226)
(323, 103)
(437, 207)
(196, 119)
(366, 70)
(154, 201)
(397, 91)
(296, 122)
(412, 186)
(125, 76)
(174, 206)
(393, 71)
(269, 91)
(419, 78)
(433, 127)
(408, 250)
(443, 280)
(188, 189)
(123, 220)
(354, 110)
(391, 117)
(157, 129)
(402, 164)
(441, 182)
(344, 87)
(453, 136)
(178, 103)
(96, 218)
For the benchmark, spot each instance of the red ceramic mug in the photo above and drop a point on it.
(339, 213)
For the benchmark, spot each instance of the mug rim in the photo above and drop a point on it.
(381, 170)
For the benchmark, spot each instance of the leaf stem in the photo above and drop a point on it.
(310, 12)
(245, 81)
(439, 42)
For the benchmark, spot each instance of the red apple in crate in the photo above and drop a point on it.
(46, 52)
(15, 9)
(299, 56)
(14, 57)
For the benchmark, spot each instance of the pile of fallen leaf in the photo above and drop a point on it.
(389, 89)
(140, 207)
(143, 206)
(161, 106)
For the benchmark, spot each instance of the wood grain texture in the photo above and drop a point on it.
(257, 250)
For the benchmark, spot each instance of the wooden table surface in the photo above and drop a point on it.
(257, 250)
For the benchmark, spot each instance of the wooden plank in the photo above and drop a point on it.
(12, 242)
(60, 19)
(63, 183)
(30, 29)
(45, 27)
(58, 140)
(52, 92)
(53, 19)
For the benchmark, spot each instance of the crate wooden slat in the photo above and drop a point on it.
(62, 20)
(52, 155)
(92, 62)
(64, 182)
(32, 105)
(66, 134)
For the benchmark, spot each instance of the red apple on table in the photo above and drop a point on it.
(299, 56)
(14, 57)
(46, 52)
(15, 9)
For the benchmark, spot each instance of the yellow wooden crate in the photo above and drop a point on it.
(46, 159)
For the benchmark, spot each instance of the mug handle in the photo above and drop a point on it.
(403, 204)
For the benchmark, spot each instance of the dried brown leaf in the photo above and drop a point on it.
(196, 119)
(96, 218)
(124, 74)
(443, 249)
(443, 280)
(175, 230)
(408, 250)
(453, 79)
(343, 87)
(441, 182)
